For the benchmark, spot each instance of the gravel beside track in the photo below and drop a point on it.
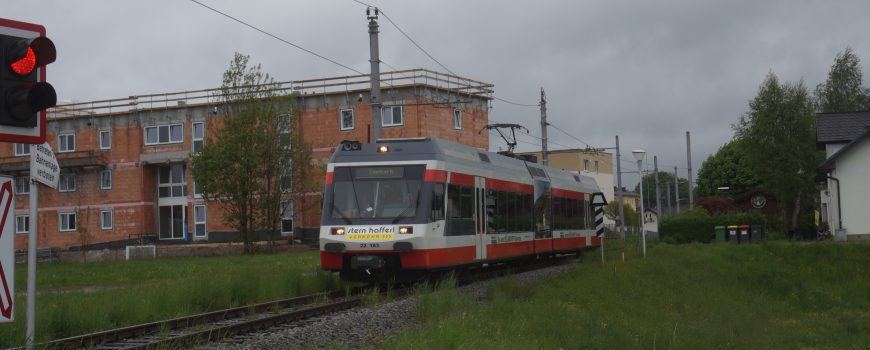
(362, 328)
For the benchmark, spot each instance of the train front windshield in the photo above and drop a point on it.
(376, 192)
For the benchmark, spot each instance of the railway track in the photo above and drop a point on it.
(189, 331)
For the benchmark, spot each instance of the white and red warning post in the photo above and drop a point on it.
(7, 250)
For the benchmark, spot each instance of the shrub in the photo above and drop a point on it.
(689, 226)
(697, 225)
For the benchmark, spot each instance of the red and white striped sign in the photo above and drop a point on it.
(7, 250)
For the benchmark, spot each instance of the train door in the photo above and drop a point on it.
(480, 220)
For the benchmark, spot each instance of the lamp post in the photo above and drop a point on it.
(639, 154)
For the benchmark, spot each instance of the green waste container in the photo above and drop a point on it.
(744, 234)
(720, 233)
(756, 233)
(733, 234)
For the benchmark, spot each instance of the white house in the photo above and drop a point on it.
(845, 173)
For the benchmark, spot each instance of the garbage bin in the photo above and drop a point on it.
(756, 233)
(733, 234)
(744, 233)
(720, 233)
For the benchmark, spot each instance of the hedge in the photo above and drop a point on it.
(697, 225)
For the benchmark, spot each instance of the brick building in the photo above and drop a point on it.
(124, 162)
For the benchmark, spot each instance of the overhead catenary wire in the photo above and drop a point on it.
(276, 37)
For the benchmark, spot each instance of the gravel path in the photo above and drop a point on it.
(361, 328)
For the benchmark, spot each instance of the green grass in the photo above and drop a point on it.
(75, 298)
(699, 296)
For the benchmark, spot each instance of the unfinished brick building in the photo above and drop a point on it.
(124, 162)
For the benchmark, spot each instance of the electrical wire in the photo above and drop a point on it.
(276, 37)
(569, 135)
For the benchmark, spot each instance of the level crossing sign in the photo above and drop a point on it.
(7, 249)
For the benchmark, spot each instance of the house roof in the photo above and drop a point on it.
(840, 127)
(830, 163)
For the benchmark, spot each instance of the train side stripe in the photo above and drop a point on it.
(435, 175)
(461, 179)
(509, 186)
(558, 192)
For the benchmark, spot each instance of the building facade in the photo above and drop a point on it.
(125, 162)
(845, 138)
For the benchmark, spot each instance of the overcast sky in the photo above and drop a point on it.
(647, 71)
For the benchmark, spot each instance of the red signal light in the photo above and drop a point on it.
(26, 64)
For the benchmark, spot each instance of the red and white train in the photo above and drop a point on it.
(404, 206)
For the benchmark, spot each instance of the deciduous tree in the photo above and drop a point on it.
(249, 163)
(778, 138)
(842, 92)
(729, 167)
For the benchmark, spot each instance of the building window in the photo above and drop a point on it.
(106, 180)
(22, 223)
(107, 219)
(67, 183)
(346, 118)
(199, 220)
(286, 218)
(163, 134)
(22, 184)
(586, 165)
(197, 190)
(67, 222)
(284, 129)
(596, 166)
(66, 143)
(198, 136)
(172, 182)
(105, 139)
(457, 119)
(22, 149)
(392, 116)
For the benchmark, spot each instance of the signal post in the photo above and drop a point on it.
(24, 97)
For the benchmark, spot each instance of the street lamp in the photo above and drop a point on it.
(639, 154)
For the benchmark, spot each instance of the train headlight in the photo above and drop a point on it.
(337, 230)
(383, 149)
(406, 230)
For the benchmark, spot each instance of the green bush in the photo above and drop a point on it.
(690, 226)
(697, 225)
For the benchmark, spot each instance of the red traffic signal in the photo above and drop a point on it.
(23, 96)
(26, 55)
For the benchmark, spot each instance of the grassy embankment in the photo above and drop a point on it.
(75, 298)
(774, 295)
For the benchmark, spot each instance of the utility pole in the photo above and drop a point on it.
(375, 74)
(677, 188)
(619, 192)
(670, 208)
(689, 160)
(658, 196)
(544, 128)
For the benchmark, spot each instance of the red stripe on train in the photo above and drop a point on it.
(435, 175)
(462, 179)
(569, 243)
(509, 186)
(558, 192)
(506, 250)
(438, 257)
